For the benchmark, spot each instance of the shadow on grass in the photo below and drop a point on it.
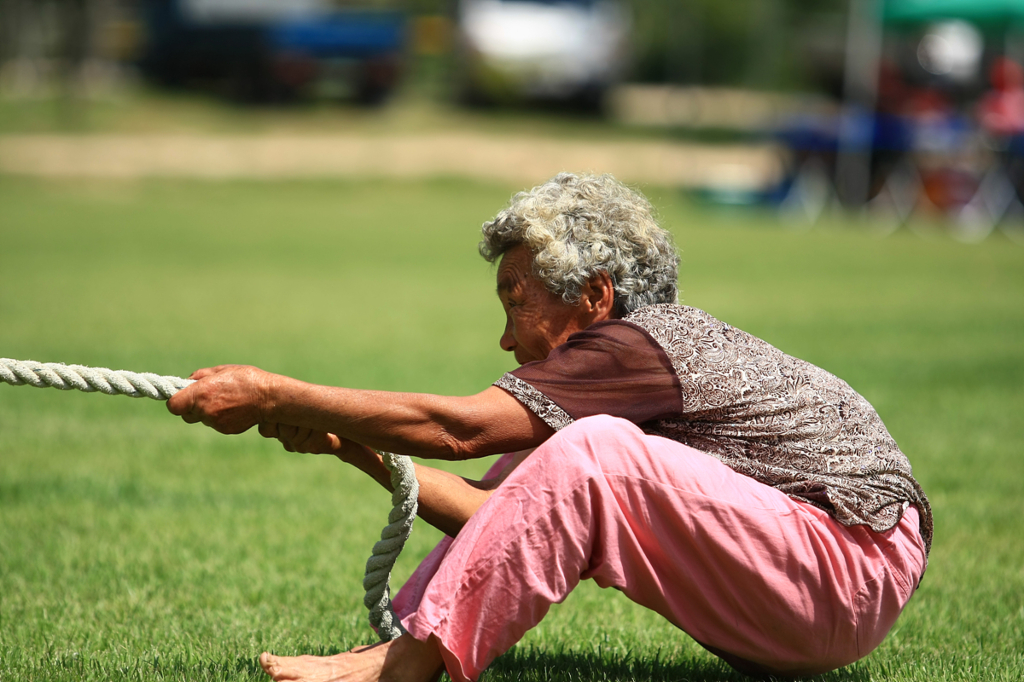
(531, 664)
(521, 664)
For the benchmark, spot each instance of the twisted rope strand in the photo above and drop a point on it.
(377, 582)
(89, 379)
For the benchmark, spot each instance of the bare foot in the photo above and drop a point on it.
(405, 659)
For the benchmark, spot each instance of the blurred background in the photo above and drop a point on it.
(896, 109)
(298, 184)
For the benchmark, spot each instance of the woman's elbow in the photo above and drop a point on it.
(453, 448)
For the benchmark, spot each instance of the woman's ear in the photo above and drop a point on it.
(598, 297)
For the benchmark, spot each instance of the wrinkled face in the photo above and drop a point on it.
(536, 320)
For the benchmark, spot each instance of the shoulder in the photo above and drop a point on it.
(694, 340)
(670, 321)
(661, 314)
(600, 343)
(625, 331)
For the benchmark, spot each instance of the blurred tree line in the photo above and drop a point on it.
(61, 41)
(769, 44)
(765, 44)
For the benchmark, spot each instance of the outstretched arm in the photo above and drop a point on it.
(234, 398)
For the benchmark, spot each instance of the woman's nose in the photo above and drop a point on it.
(507, 341)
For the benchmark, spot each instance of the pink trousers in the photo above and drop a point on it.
(768, 583)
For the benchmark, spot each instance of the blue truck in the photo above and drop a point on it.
(274, 50)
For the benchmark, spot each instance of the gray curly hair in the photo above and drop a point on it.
(578, 225)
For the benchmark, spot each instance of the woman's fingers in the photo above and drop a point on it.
(182, 404)
(301, 436)
(293, 438)
(302, 440)
(228, 398)
(309, 441)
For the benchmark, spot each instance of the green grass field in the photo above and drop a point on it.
(135, 547)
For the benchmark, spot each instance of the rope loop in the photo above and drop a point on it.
(377, 582)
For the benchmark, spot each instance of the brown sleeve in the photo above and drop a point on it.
(614, 368)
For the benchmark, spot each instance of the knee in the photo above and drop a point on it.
(587, 443)
(598, 434)
(573, 462)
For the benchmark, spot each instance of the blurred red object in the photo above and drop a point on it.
(949, 189)
(1001, 109)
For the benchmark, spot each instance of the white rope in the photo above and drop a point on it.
(377, 582)
(146, 385)
(89, 379)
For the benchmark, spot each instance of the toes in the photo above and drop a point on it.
(268, 664)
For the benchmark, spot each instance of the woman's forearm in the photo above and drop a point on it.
(446, 501)
(234, 398)
(431, 426)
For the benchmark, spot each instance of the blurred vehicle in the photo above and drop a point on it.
(273, 50)
(554, 50)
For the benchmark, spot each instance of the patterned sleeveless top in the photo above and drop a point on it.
(680, 373)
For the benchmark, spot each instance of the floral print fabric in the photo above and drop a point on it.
(770, 416)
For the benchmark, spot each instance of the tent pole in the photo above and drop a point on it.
(860, 93)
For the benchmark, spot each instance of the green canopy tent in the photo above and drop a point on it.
(866, 23)
(989, 12)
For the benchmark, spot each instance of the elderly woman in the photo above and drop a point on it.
(754, 500)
